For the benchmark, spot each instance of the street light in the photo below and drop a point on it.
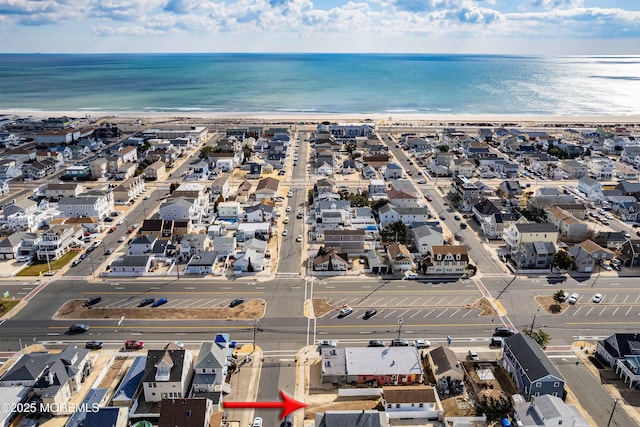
(400, 322)
(615, 403)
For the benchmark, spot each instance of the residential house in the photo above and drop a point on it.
(377, 189)
(201, 170)
(94, 206)
(132, 265)
(378, 366)
(99, 168)
(181, 209)
(570, 229)
(446, 259)
(191, 412)
(167, 373)
(229, 210)
(42, 169)
(332, 260)
(601, 169)
(56, 191)
(587, 254)
(192, 244)
(578, 210)
(546, 410)
(484, 209)
(223, 162)
(57, 241)
(4, 187)
(18, 244)
(464, 192)
(630, 253)
(267, 188)
(426, 236)
(53, 377)
(202, 264)
(259, 212)
(253, 257)
(8, 171)
(446, 369)
(591, 188)
(220, 187)
(393, 171)
(463, 167)
(403, 200)
(54, 155)
(389, 213)
(376, 262)
(400, 258)
(348, 241)
(127, 170)
(534, 256)
(494, 225)
(155, 171)
(105, 416)
(142, 245)
(368, 172)
(57, 136)
(419, 401)
(574, 168)
(617, 347)
(510, 189)
(127, 191)
(519, 233)
(610, 239)
(530, 368)
(351, 418)
(158, 228)
(76, 172)
(629, 188)
(210, 368)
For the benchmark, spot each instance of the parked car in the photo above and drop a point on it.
(236, 302)
(473, 356)
(399, 342)
(112, 229)
(327, 343)
(92, 301)
(109, 251)
(496, 342)
(159, 302)
(606, 266)
(376, 343)
(79, 328)
(597, 298)
(257, 422)
(290, 193)
(76, 262)
(345, 311)
(463, 225)
(93, 345)
(457, 217)
(133, 345)
(288, 209)
(429, 199)
(411, 276)
(300, 215)
(285, 232)
(370, 313)
(84, 255)
(422, 343)
(146, 301)
(121, 239)
(573, 298)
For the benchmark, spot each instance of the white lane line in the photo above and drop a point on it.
(426, 315)
(615, 311)
(589, 312)
(443, 312)
(226, 287)
(627, 313)
(614, 298)
(389, 314)
(625, 299)
(52, 334)
(404, 312)
(120, 288)
(364, 332)
(402, 302)
(453, 301)
(189, 288)
(577, 311)
(467, 313)
(365, 287)
(415, 314)
(401, 286)
(454, 313)
(330, 287)
(262, 287)
(602, 312)
(637, 298)
(439, 303)
(430, 298)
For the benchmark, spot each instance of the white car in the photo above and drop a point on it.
(627, 235)
(344, 312)
(411, 276)
(573, 298)
(606, 266)
(257, 422)
(597, 298)
(122, 239)
(299, 238)
(288, 209)
(473, 356)
(422, 343)
(290, 193)
(284, 232)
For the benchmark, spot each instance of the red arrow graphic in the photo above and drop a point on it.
(288, 405)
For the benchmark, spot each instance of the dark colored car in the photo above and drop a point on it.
(159, 302)
(93, 345)
(503, 331)
(146, 301)
(370, 313)
(399, 343)
(236, 302)
(108, 219)
(92, 301)
(133, 344)
(376, 343)
(78, 328)
(84, 255)
(287, 422)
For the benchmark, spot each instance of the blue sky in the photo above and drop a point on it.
(536, 27)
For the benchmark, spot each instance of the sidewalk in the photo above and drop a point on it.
(244, 383)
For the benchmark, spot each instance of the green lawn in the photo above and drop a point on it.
(7, 304)
(43, 267)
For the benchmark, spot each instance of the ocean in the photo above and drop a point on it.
(322, 83)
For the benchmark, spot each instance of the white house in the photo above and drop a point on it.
(260, 212)
(167, 373)
(131, 265)
(57, 241)
(426, 237)
(181, 209)
(93, 206)
(4, 187)
(229, 210)
(412, 401)
(127, 191)
(601, 169)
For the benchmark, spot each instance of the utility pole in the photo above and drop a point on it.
(533, 321)
(400, 322)
(255, 321)
(615, 403)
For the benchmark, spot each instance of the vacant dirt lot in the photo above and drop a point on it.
(321, 307)
(549, 305)
(252, 309)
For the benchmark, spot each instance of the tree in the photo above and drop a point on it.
(558, 296)
(205, 151)
(562, 260)
(394, 232)
(539, 336)
(443, 148)
(219, 200)
(494, 408)
(173, 187)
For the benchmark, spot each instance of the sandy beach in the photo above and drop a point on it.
(403, 119)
